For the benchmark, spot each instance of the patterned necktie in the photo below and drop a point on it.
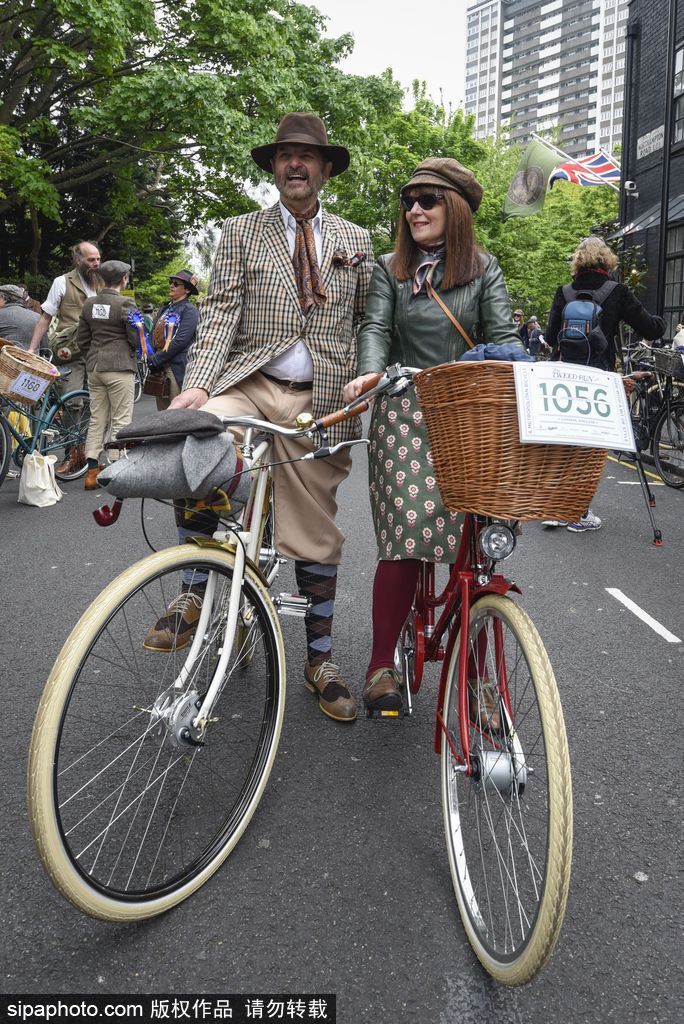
(307, 272)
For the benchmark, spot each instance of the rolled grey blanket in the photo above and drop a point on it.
(191, 467)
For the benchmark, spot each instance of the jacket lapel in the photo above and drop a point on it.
(331, 242)
(275, 241)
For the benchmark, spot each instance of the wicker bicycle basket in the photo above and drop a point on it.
(16, 362)
(669, 362)
(472, 423)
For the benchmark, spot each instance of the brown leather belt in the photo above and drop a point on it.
(291, 385)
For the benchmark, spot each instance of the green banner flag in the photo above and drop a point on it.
(527, 191)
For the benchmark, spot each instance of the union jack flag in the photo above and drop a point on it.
(597, 169)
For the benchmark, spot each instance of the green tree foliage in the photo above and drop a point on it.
(534, 252)
(388, 146)
(147, 105)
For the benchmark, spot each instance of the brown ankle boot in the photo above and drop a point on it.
(90, 481)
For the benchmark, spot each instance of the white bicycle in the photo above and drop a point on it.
(145, 768)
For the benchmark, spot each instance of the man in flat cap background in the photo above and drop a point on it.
(277, 338)
(108, 345)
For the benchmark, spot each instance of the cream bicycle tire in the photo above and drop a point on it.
(467, 805)
(51, 734)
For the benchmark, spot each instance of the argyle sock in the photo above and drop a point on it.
(318, 583)
(394, 587)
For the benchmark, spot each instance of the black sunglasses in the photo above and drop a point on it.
(426, 200)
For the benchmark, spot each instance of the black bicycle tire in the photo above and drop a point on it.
(677, 408)
(61, 404)
(5, 448)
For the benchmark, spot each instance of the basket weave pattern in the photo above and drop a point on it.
(481, 466)
(13, 360)
(668, 361)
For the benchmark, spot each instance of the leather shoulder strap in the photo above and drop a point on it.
(433, 295)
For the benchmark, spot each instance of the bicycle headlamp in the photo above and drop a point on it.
(497, 541)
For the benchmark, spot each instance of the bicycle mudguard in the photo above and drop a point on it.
(223, 545)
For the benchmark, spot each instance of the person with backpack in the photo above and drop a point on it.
(583, 324)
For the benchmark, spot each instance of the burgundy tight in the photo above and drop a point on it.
(393, 590)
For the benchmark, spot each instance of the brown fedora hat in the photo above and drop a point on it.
(188, 279)
(306, 130)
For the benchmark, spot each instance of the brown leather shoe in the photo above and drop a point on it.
(90, 480)
(382, 691)
(484, 705)
(176, 628)
(74, 461)
(334, 698)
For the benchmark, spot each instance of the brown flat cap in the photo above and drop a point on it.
(306, 130)
(447, 173)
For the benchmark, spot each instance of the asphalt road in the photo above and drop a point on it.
(341, 883)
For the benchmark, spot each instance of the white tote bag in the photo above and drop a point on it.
(37, 485)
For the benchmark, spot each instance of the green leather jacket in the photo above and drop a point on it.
(399, 327)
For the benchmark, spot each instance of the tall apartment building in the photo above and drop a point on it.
(533, 66)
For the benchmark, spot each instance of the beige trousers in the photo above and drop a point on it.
(111, 402)
(304, 492)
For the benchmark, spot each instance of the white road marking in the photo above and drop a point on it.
(644, 616)
(635, 483)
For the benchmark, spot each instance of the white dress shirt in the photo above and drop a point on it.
(296, 362)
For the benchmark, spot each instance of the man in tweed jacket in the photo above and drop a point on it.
(277, 337)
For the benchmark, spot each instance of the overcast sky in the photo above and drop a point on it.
(416, 40)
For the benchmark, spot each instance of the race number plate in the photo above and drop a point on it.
(562, 403)
(28, 386)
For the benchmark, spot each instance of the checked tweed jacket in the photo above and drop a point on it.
(252, 312)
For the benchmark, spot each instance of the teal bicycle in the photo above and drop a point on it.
(56, 425)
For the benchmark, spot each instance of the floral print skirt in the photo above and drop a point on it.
(409, 517)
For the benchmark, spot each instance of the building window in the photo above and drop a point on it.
(674, 279)
(678, 128)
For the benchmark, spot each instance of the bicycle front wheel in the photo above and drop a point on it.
(509, 823)
(66, 431)
(668, 445)
(130, 808)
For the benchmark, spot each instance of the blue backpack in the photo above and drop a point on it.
(581, 338)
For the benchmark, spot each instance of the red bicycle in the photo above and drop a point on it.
(500, 734)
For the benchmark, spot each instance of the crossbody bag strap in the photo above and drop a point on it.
(433, 295)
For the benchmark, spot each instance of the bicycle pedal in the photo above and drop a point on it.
(403, 712)
(292, 604)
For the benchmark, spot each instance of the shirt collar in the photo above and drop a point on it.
(290, 222)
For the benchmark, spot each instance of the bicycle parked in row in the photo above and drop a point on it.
(145, 770)
(55, 424)
(656, 403)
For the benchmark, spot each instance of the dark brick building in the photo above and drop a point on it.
(653, 150)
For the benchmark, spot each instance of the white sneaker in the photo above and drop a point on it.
(589, 521)
(554, 522)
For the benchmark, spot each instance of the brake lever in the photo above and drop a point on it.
(326, 451)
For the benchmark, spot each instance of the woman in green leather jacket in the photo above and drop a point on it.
(435, 252)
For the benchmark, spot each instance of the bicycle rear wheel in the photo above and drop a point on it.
(70, 423)
(509, 824)
(5, 448)
(131, 810)
(668, 445)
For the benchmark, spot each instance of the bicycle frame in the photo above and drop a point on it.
(245, 545)
(39, 420)
(470, 578)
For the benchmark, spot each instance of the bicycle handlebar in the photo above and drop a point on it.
(354, 408)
